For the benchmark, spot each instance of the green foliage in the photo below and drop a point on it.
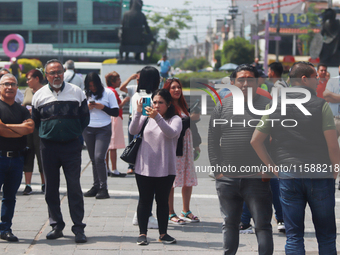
(238, 51)
(218, 57)
(29, 64)
(186, 77)
(193, 64)
(154, 58)
(170, 24)
(314, 20)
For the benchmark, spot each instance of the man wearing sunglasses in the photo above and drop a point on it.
(61, 113)
(15, 124)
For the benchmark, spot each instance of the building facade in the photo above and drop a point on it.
(87, 25)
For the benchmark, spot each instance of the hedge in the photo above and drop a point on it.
(185, 77)
(28, 64)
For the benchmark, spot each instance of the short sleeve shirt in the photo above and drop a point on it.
(13, 114)
(165, 65)
(327, 120)
(99, 118)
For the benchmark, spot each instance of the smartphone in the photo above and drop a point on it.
(146, 102)
(91, 101)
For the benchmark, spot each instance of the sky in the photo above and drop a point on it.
(203, 17)
(199, 9)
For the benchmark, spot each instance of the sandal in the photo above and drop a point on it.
(174, 219)
(187, 218)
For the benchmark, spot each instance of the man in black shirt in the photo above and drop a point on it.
(15, 124)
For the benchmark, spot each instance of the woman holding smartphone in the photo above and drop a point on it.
(102, 105)
(155, 167)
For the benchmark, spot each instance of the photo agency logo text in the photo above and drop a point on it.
(238, 107)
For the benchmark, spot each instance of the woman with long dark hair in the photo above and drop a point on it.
(148, 82)
(155, 167)
(102, 105)
(185, 170)
(34, 79)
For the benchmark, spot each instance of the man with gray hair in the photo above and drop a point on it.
(71, 77)
(19, 97)
(60, 111)
(15, 124)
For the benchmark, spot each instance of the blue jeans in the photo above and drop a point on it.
(319, 194)
(258, 197)
(275, 186)
(10, 178)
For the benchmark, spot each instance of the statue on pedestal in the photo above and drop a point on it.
(135, 33)
(330, 32)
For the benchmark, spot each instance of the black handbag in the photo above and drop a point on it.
(129, 154)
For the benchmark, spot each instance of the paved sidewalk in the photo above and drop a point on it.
(109, 222)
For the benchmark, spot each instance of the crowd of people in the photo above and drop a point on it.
(67, 111)
(57, 117)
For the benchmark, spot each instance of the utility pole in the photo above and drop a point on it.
(257, 30)
(60, 30)
(277, 44)
(234, 22)
(330, 4)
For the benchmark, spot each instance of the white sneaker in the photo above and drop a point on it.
(153, 223)
(135, 220)
(212, 175)
(281, 226)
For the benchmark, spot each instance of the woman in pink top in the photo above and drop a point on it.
(155, 167)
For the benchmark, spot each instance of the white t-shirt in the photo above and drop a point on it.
(131, 92)
(99, 118)
(137, 96)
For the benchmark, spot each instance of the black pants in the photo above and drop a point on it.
(148, 187)
(68, 156)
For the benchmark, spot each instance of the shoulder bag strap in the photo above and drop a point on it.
(142, 130)
(74, 74)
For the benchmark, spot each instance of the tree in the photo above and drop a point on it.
(238, 51)
(314, 20)
(218, 55)
(171, 24)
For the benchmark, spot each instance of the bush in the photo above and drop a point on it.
(29, 64)
(193, 64)
(185, 77)
(22, 80)
(155, 58)
(110, 61)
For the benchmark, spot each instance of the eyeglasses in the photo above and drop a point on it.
(55, 73)
(9, 84)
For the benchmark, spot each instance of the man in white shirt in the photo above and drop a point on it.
(71, 77)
